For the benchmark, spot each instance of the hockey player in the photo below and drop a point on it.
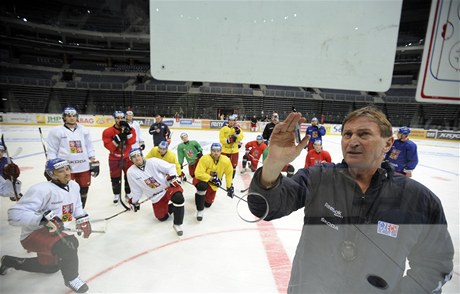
(230, 136)
(315, 131)
(209, 172)
(254, 123)
(366, 229)
(9, 174)
(43, 213)
(72, 142)
(162, 152)
(190, 151)
(270, 126)
(403, 154)
(156, 179)
(254, 150)
(317, 155)
(118, 139)
(137, 127)
(160, 131)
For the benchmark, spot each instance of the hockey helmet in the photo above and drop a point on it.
(259, 137)
(404, 130)
(2, 147)
(54, 164)
(163, 145)
(314, 119)
(216, 147)
(129, 112)
(118, 114)
(183, 135)
(232, 117)
(133, 152)
(69, 111)
(318, 142)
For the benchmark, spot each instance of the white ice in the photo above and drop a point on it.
(223, 253)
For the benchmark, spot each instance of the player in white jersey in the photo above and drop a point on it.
(72, 142)
(44, 212)
(156, 179)
(136, 126)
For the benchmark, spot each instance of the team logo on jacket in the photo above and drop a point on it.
(387, 229)
(75, 147)
(394, 153)
(152, 183)
(189, 153)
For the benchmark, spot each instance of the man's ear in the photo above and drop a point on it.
(388, 144)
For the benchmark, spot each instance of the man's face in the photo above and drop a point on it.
(184, 139)
(62, 175)
(2, 152)
(275, 118)
(314, 122)
(162, 150)
(318, 147)
(129, 117)
(362, 145)
(70, 119)
(118, 119)
(137, 159)
(402, 137)
(158, 119)
(215, 153)
(231, 123)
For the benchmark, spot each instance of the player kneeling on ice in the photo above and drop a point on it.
(209, 173)
(158, 180)
(43, 213)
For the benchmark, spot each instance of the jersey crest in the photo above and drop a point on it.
(152, 183)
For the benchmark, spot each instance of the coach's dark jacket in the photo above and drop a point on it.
(358, 243)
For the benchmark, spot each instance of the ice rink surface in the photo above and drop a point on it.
(223, 253)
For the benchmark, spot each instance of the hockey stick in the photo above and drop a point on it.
(76, 231)
(43, 142)
(121, 212)
(8, 160)
(17, 152)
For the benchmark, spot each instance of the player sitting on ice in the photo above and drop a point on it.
(43, 213)
(157, 180)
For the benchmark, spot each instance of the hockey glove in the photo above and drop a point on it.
(231, 139)
(142, 145)
(237, 130)
(135, 206)
(173, 181)
(215, 181)
(125, 127)
(168, 140)
(94, 168)
(11, 170)
(247, 151)
(120, 137)
(52, 222)
(199, 154)
(230, 192)
(83, 226)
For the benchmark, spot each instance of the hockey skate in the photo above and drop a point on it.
(244, 170)
(199, 215)
(178, 230)
(116, 197)
(77, 285)
(8, 262)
